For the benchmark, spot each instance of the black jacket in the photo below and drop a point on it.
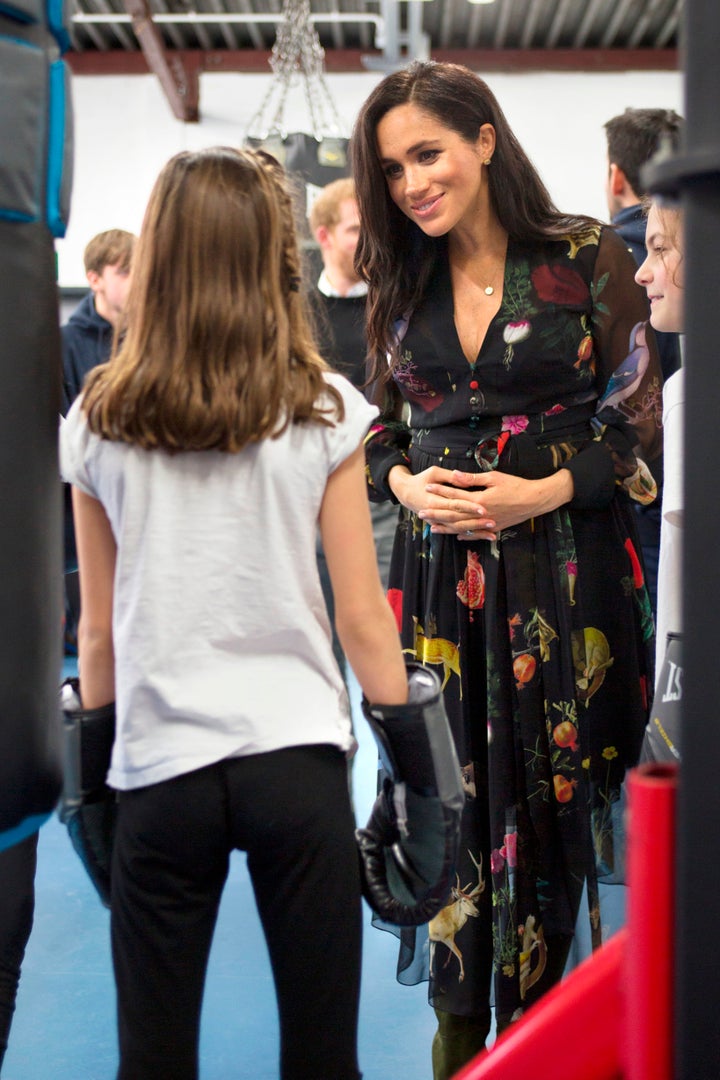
(86, 342)
(340, 333)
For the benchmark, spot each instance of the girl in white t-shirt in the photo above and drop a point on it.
(662, 275)
(202, 458)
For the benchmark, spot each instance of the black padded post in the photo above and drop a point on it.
(30, 544)
(35, 186)
(30, 533)
(694, 177)
(697, 953)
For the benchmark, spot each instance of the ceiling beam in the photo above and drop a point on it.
(501, 27)
(531, 21)
(177, 71)
(192, 62)
(615, 22)
(588, 19)
(123, 38)
(556, 26)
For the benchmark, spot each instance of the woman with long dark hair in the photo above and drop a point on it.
(521, 395)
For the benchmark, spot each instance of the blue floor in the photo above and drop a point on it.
(64, 1026)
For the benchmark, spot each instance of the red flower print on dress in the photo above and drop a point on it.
(638, 578)
(416, 389)
(559, 285)
(509, 848)
(394, 599)
(514, 424)
(497, 861)
(471, 590)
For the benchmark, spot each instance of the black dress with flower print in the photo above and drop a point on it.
(543, 638)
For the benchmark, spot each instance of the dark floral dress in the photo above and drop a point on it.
(543, 638)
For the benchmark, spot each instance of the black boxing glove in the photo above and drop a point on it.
(409, 847)
(88, 806)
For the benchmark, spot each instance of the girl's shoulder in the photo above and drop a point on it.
(75, 444)
(344, 435)
(73, 427)
(353, 399)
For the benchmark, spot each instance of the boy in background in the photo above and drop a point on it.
(86, 340)
(337, 301)
(88, 334)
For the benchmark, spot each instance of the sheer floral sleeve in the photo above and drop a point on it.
(386, 444)
(629, 409)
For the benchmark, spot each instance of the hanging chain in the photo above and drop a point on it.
(297, 56)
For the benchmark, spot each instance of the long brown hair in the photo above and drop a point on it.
(393, 253)
(216, 350)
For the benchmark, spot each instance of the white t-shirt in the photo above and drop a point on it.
(669, 605)
(222, 641)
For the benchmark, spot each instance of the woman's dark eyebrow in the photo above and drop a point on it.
(413, 149)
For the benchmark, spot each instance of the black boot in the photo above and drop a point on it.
(457, 1040)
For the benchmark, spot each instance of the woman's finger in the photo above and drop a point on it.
(454, 501)
(466, 530)
(454, 511)
(480, 479)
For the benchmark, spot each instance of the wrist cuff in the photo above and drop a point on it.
(382, 462)
(593, 473)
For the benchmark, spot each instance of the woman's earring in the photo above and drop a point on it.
(487, 161)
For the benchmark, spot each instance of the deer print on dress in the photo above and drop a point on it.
(435, 650)
(450, 921)
(533, 942)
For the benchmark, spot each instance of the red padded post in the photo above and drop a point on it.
(574, 1031)
(648, 1044)
(611, 1017)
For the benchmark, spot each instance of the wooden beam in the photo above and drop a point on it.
(257, 61)
(178, 75)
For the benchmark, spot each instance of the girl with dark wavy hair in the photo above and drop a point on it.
(521, 393)
(662, 275)
(202, 458)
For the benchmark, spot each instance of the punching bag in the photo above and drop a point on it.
(314, 157)
(35, 178)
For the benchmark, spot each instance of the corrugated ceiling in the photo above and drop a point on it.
(448, 24)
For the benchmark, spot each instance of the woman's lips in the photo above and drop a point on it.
(426, 207)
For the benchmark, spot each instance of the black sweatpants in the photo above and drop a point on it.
(290, 810)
